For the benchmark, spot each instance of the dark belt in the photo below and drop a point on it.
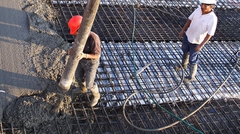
(88, 59)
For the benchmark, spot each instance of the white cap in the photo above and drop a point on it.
(208, 1)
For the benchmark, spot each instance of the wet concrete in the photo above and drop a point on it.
(17, 75)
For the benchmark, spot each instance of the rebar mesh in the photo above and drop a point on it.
(155, 21)
(156, 40)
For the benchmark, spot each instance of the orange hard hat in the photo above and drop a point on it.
(74, 23)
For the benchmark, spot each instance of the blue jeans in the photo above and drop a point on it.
(86, 72)
(188, 47)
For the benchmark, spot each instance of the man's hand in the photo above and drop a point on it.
(69, 51)
(82, 55)
(184, 28)
(181, 34)
(198, 48)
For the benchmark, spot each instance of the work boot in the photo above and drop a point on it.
(82, 88)
(96, 95)
(185, 59)
(193, 72)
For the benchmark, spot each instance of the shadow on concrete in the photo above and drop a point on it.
(19, 80)
(14, 23)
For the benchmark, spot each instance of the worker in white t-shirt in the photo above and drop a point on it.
(200, 27)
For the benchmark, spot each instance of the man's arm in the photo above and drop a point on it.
(206, 39)
(184, 28)
(87, 56)
(91, 56)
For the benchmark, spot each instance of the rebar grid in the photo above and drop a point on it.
(114, 23)
(155, 21)
(156, 39)
(116, 83)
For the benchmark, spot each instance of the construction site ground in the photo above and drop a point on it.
(34, 39)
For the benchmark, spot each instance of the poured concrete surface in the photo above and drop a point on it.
(17, 76)
(29, 51)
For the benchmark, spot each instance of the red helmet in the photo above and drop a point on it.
(74, 23)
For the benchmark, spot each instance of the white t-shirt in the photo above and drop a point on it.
(201, 25)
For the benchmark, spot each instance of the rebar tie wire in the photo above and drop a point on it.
(180, 119)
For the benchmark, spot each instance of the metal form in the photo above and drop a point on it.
(157, 26)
